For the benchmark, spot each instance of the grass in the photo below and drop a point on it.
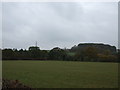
(62, 74)
(71, 53)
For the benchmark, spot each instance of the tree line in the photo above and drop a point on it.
(89, 53)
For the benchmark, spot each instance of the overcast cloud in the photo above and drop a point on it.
(59, 24)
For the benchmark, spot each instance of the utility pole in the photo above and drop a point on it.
(36, 44)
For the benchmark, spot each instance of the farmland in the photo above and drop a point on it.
(62, 74)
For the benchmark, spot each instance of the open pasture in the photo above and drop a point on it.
(62, 74)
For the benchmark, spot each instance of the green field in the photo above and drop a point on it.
(62, 74)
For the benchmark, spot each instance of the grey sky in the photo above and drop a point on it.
(62, 24)
(0, 24)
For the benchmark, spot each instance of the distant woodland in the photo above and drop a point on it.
(93, 52)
